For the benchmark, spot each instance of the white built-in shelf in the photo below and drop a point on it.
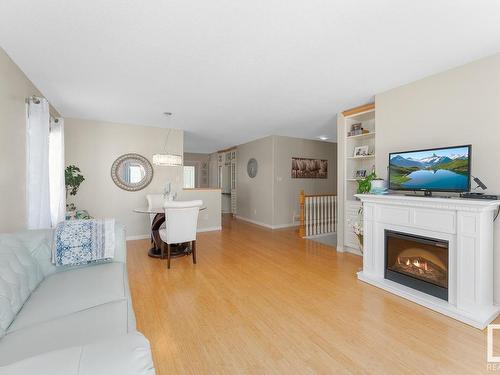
(348, 166)
(366, 135)
(361, 157)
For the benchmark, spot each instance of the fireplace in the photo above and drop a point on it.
(418, 262)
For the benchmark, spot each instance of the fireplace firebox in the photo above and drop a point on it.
(418, 262)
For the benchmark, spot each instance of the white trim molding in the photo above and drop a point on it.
(269, 226)
(466, 224)
(209, 229)
(137, 237)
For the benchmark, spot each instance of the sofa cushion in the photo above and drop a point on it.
(101, 322)
(127, 355)
(20, 274)
(68, 292)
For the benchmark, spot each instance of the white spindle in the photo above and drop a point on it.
(330, 228)
(332, 214)
(305, 217)
(329, 210)
(325, 214)
(335, 214)
(313, 215)
(306, 212)
(318, 219)
(316, 213)
(320, 214)
(308, 217)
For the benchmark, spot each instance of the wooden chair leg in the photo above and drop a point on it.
(168, 256)
(193, 249)
(162, 250)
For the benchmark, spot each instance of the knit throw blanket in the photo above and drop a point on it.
(79, 242)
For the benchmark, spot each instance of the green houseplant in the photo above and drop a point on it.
(365, 184)
(73, 179)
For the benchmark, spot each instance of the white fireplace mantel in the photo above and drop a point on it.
(467, 225)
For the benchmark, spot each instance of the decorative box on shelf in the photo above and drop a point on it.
(78, 215)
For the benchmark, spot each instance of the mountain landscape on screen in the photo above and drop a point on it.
(444, 169)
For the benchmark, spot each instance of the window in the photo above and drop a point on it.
(189, 177)
(45, 189)
(57, 186)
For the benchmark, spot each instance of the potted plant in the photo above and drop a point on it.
(365, 184)
(73, 179)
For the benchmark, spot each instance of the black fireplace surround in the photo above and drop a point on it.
(418, 262)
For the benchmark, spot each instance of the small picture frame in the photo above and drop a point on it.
(360, 173)
(361, 151)
(355, 127)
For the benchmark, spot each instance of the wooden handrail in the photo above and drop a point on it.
(302, 227)
(320, 195)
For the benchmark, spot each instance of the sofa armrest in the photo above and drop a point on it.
(125, 355)
(39, 244)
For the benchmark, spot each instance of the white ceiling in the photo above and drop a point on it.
(232, 71)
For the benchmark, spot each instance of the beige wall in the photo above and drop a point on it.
(456, 107)
(210, 218)
(200, 162)
(286, 188)
(272, 197)
(93, 146)
(213, 169)
(255, 195)
(15, 87)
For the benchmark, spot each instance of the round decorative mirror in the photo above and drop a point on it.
(132, 172)
(252, 168)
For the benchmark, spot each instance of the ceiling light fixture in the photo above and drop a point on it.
(323, 137)
(167, 159)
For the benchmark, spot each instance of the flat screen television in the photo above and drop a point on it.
(445, 169)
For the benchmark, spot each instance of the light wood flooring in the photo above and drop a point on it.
(267, 302)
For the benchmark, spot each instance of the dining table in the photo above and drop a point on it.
(177, 250)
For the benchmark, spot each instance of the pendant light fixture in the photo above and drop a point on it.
(167, 159)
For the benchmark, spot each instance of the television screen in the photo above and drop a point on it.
(440, 169)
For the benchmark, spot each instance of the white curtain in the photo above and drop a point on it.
(37, 187)
(56, 171)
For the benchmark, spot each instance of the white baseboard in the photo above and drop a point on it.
(147, 236)
(269, 226)
(282, 226)
(254, 222)
(209, 229)
(321, 235)
(348, 249)
(138, 237)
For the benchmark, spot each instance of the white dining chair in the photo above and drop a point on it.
(181, 220)
(154, 201)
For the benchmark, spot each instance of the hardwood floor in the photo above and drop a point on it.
(264, 302)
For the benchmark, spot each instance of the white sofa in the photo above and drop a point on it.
(66, 320)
